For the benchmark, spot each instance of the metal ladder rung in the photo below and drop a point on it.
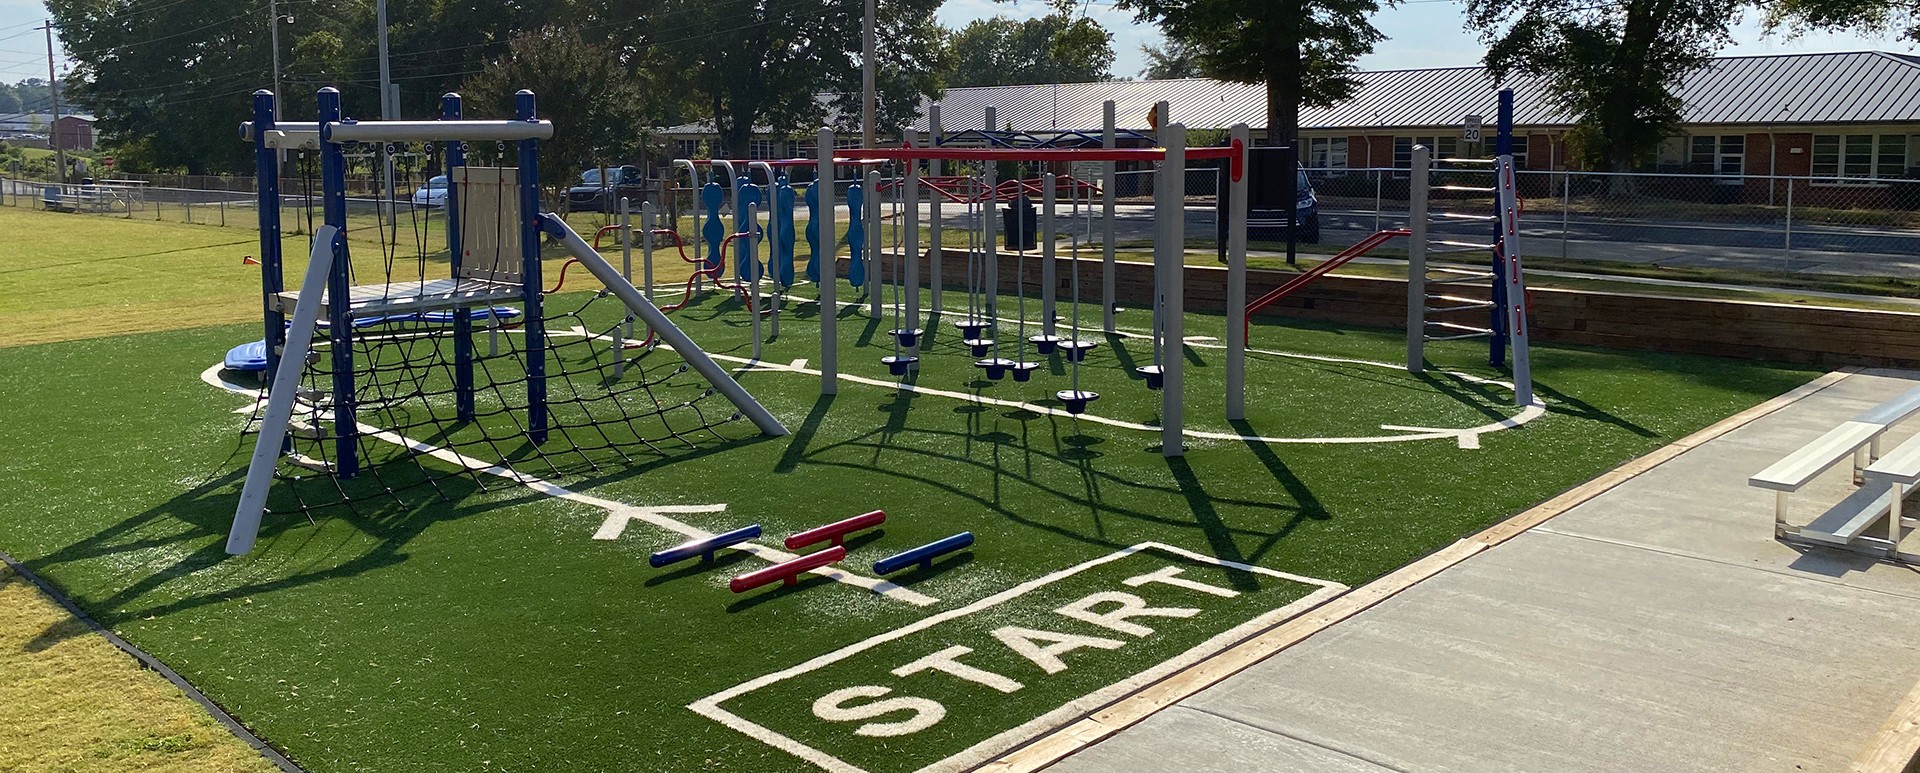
(1463, 304)
(1470, 245)
(1465, 216)
(1467, 160)
(1460, 280)
(1466, 188)
(1466, 331)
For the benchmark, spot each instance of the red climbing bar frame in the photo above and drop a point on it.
(836, 531)
(1237, 155)
(1363, 247)
(787, 572)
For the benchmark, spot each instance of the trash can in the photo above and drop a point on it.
(1021, 221)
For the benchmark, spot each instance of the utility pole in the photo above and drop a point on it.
(867, 76)
(389, 110)
(273, 23)
(53, 90)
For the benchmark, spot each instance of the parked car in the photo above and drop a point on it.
(600, 190)
(433, 194)
(1270, 224)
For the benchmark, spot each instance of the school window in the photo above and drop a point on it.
(1327, 153)
(1724, 154)
(686, 148)
(759, 149)
(1860, 156)
(1519, 152)
(842, 143)
(1442, 147)
(803, 149)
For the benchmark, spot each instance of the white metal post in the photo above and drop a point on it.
(1171, 213)
(1109, 180)
(1516, 295)
(750, 261)
(875, 269)
(911, 243)
(1242, 137)
(989, 214)
(1049, 199)
(829, 271)
(1417, 190)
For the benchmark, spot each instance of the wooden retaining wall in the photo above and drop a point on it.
(1809, 335)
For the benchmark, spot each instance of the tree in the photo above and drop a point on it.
(1173, 60)
(1303, 50)
(594, 103)
(1056, 48)
(1613, 64)
(761, 64)
(1880, 17)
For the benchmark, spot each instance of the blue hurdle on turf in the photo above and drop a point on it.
(924, 554)
(704, 547)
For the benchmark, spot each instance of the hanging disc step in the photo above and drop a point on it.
(899, 365)
(1076, 351)
(1076, 400)
(1045, 344)
(1156, 377)
(979, 346)
(907, 338)
(996, 367)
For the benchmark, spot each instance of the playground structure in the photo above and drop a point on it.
(420, 345)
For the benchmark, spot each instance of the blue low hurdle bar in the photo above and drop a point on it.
(704, 547)
(923, 555)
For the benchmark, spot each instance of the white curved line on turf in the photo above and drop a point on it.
(618, 513)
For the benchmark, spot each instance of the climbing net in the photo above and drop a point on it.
(448, 393)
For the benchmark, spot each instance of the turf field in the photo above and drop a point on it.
(499, 627)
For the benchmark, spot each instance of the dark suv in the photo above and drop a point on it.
(600, 190)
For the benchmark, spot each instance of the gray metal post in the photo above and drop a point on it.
(750, 259)
(1237, 277)
(1417, 189)
(1789, 243)
(1170, 211)
(1049, 200)
(875, 270)
(1109, 180)
(990, 228)
(829, 271)
(910, 245)
(935, 278)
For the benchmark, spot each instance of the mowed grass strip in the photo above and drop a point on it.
(73, 702)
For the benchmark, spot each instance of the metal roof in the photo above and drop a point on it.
(1835, 88)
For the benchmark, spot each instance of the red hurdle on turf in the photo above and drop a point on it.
(787, 572)
(837, 531)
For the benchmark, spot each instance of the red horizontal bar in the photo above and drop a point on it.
(836, 531)
(788, 572)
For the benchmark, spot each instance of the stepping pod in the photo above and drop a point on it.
(1153, 374)
(1076, 351)
(1076, 400)
(704, 547)
(787, 572)
(923, 556)
(836, 531)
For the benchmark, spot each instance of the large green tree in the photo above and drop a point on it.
(1303, 50)
(1614, 64)
(1055, 48)
(759, 64)
(595, 104)
(1172, 59)
(1877, 17)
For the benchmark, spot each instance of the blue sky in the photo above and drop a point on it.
(1421, 33)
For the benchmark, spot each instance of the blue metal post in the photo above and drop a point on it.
(333, 209)
(1503, 146)
(266, 162)
(456, 156)
(536, 349)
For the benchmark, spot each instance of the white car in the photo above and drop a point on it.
(433, 194)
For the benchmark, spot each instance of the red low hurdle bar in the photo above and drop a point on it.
(787, 572)
(836, 531)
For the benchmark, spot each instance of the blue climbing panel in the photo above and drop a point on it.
(747, 264)
(782, 256)
(714, 231)
(813, 232)
(856, 237)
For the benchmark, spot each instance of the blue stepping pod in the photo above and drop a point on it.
(783, 244)
(713, 231)
(856, 237)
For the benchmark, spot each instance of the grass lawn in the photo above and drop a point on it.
(496, 627)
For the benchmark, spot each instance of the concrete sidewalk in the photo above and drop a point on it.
(1655, 627)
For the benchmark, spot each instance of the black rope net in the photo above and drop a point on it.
(612, 402)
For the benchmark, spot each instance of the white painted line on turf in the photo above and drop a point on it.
(981, 752)
(652, 515)
(616, 523)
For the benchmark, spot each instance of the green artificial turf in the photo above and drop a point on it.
(489, 630)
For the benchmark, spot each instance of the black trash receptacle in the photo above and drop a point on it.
(1021, 221)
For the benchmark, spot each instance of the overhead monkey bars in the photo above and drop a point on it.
(1235, 154)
